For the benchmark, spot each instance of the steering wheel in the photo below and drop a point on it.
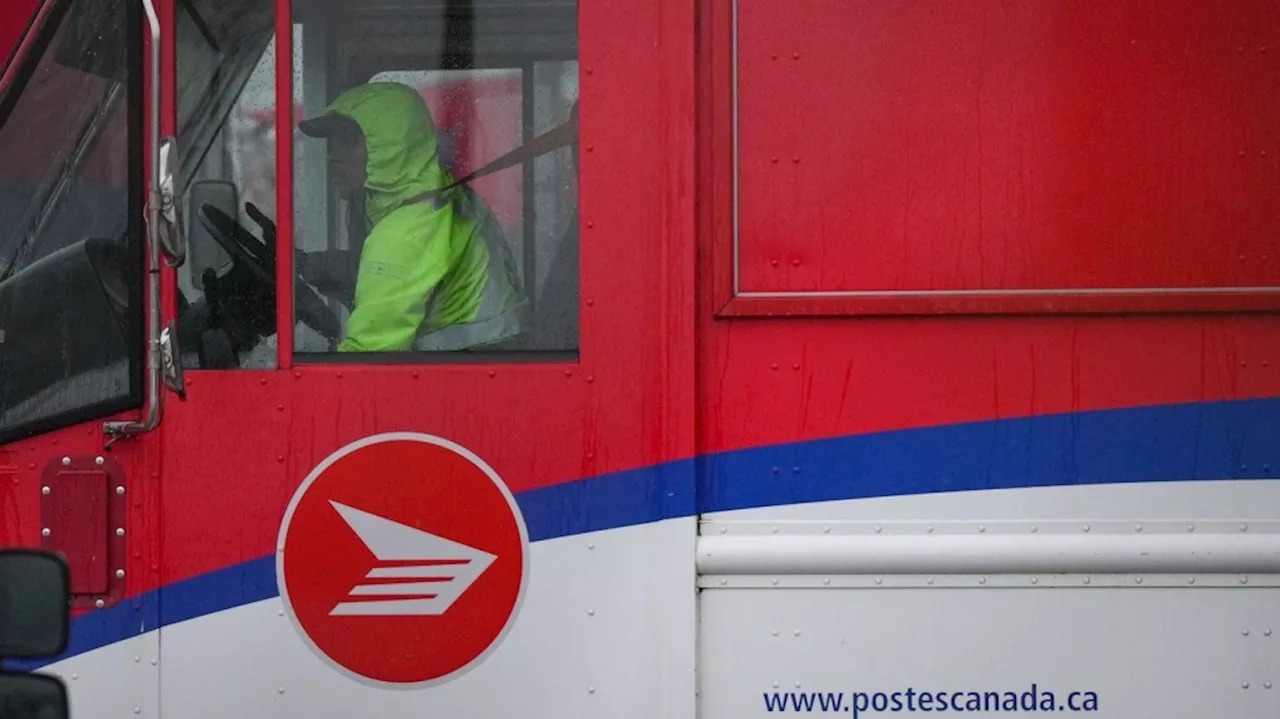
(259, 258)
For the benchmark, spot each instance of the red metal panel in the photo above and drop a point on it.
(83, 517)
(284, 183)
(894, 149)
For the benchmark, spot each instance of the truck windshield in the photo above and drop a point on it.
(70, 252)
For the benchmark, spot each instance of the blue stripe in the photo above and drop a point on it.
(1201, 441)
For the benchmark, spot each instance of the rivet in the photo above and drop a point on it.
(45, 490)
(795, 263)
(795, 632)
(1242, 153)
(568, 373)
(66, 461)
(795, 56)
(591, 71)
(119, 531)
(929, 580)
(774, 530)
(591, 612)
(99, 461)
(1137, 580)
(982, 580)
(724, 529)
(775, 685)
(279, 612)
(1266, 685)
(263, 381)
(75, 677)
(339, 375)
(796, 160)
(826, 530)
(826, 581)
(45, 532)
(1085, 580)
(1035, 528)
(137, 710)
(1244, 685)
(1138, 528)
(1191, 580)
(1266, 632)
(1244, 528)
(775, 633)
(119, 574)
(137, 658)
(773, 263)
(591, 690)
(929, 530)
(797, 685)
(1086, 527)
(775, 367)
(415, 374)
(591, 303)
(879, 580)
(280, 690)
(879, 529)
(279, 408)
(590, 225)
(797, 365)
(279, 457)
(492, 374)
(1035, 580)
(774, 160)
(982, 528)
(590, 379)
(724, 582)
(1191, 527)
(591, 148)
(795, 470)
(591, 455)
(1244, 632)
(99, 604)
(1244, 580)
(774, 581)
(774, 56)
(591, 545)
(155, 662)
(297, 375)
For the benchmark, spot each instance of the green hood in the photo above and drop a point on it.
(401, 141)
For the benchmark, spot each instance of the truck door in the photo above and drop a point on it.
(72, 323)
(431, 444)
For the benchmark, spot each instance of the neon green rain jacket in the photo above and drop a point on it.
(433, 275)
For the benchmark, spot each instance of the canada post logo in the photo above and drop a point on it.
(402, 560)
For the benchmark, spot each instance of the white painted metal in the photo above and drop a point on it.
(1170, 653)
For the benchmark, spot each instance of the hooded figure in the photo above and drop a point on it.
(435, 271)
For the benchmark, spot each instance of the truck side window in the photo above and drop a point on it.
(397, 111)
(226, 120)
(71, 261)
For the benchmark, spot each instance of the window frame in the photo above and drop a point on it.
(135, 335)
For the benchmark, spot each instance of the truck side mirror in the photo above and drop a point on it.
(33, 696)
(35, 610)
(205, 251)
(35, 586)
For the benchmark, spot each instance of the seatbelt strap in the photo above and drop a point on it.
(561, 136)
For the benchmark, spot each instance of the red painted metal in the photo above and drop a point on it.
(978, 147)
(82, 510)
(17, 17)
(284, 184)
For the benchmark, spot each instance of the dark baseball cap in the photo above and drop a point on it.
(330, 124)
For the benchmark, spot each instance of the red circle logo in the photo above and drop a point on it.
(402, 560)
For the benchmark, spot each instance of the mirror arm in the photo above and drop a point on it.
(155, 398)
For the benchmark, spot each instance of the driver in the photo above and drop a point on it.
(435, 272)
